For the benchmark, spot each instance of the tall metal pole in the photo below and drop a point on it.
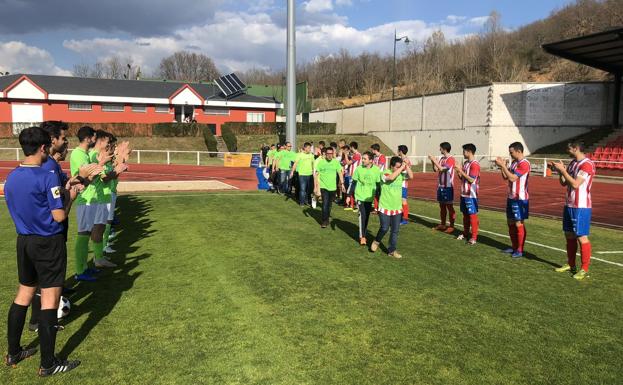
(394, 71)
(617, 101)
(291, 78)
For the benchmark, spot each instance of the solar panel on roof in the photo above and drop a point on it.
(230, 85)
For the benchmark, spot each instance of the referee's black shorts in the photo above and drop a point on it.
(41, 261)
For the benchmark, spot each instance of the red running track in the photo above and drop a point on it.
(546, 194)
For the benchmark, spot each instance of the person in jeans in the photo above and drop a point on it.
(303, 164)
(328, 171)
(284, 160)
(390, 203)
(365, 179)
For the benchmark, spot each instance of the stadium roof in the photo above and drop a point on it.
(603, 50)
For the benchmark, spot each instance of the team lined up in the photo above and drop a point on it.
(369, 184)
(39, 197)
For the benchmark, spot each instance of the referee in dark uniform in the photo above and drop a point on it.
(38, 208)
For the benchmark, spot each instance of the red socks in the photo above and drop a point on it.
(521, 237)
(452, 214)
(473, 220)
(512, 232)
(572, 249)
(585, 252)
(442, 213)
(466, 224)
(405, 211)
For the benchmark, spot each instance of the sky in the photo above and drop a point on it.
(51, 36)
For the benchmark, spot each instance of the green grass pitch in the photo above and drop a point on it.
(245, 288)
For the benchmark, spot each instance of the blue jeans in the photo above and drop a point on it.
(327, 201)
(284, 181)
(388, 221)
(365, 208)
(304, 186)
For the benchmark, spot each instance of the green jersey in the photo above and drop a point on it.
(391, 193)
(79, 158)
(327, 173)
(101, 197)
(108, 185)
(367, 180)
(305, 163)
(270, 155)
(284, 159)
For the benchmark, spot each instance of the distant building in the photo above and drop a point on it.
(36, 98)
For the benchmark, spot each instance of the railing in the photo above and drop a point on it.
(212, 158)
(199, 158)
(487, 162)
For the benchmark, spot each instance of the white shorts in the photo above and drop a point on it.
(111, 206)
(85, 215)
(101, 215)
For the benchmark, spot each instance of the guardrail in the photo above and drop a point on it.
(487, 162)
(151, 156)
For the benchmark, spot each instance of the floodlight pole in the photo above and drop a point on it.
(291, 78)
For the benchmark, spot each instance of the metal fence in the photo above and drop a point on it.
(198, 158)
(538, 166)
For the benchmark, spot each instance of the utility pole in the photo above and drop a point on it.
(291, 78)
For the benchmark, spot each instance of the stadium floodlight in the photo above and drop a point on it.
(291, 77)
(396, 40)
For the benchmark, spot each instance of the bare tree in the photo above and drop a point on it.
(188, 66)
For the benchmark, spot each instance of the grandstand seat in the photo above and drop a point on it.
(617, 150)
(599, 150)
(608, 150)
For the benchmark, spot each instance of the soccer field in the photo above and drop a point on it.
(245, 288)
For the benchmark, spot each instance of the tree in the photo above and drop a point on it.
(188, 66)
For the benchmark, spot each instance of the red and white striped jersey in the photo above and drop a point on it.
(581, 197)
(519, 188)
(355, 162)
(380, 161)
(446, 179)
(470, 190)
(405, 182)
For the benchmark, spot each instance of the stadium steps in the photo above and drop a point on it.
(221, 146)
(604, 141)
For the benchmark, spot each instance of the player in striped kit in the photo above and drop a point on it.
(469, 175)
(402, 153)
(445, 188)
(578, 178)
(379, 161)
(353, 162)
(517, 207)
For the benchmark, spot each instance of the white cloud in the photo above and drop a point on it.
(240, 41)
(17, 57)
(318, 5)
(343, 3)
(479, 21)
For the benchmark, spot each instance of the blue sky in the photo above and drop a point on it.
(237, 35)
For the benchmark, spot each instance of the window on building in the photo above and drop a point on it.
(255, 117)
(139, 108)
(216, 111)
(80, 106)
(112, 107)
(162, 108)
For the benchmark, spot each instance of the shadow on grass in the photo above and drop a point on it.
(103, 295)
(485, 240)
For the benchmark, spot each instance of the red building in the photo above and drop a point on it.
(36, 98)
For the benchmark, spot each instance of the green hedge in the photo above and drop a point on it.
(279, 128)
(169, 130)
(209, 139)
(230, 138)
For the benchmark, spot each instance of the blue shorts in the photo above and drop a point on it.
(577, 221)
(405, 193)
(445, 194)
(517, 210)
(469, 206)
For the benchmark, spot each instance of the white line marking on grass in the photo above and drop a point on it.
(609, 252)
(530, 242)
